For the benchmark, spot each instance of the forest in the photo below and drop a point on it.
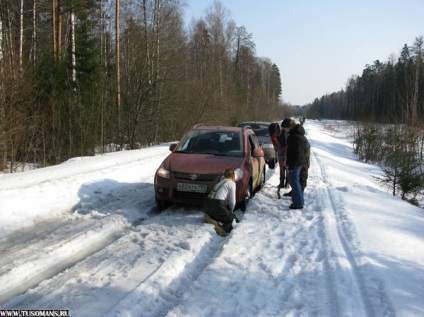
(85, 77)
(390, 92)
(386, 104)
(80, 76)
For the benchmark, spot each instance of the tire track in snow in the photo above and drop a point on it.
(299, 266)
(351, 286)
(303, 282)
(286, 268)
(344, 273)
(166, 287)
(155, 249)
(85, 234)
(57, 254)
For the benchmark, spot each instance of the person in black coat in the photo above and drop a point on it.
(296, 148)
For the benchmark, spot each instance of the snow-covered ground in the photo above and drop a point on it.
(85, 236)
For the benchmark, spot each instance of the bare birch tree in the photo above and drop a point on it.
(59, 30)
(21, 33)
(1, 41)
(73, 59)
(118, 65)
(418, 49)
(34, 32)
(217, 18)
(3, 157)
(54, 28)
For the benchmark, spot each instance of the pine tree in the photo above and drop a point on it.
(401, 165)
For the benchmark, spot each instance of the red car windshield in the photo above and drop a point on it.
(212, 142)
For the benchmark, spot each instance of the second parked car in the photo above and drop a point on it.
(199, 160)
(261, 131)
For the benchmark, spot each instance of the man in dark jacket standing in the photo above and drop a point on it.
(296, 148)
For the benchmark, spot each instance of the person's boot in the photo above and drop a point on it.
(289, 194)
(218, 228)
(227, 226)
(295, 207)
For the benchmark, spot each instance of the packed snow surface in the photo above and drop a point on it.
(85, 236)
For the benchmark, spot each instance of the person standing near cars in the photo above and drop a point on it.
(220, 203)
(279, 139)
(305, 167)
(296, 149)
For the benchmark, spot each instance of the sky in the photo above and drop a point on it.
(319, 45)
(85, 236)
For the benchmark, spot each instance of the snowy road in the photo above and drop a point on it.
(85, 236)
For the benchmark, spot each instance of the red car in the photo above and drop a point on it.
(198, 161)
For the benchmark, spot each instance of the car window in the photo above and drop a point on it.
(261, 131)
(212, 142)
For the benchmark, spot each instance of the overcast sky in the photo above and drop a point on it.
(319, 45)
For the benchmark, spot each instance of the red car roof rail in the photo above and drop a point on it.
(200, 125)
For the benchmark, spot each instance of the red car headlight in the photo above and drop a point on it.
(239, 174)
(164, 173)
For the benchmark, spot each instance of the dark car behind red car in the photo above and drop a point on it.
(261, 131)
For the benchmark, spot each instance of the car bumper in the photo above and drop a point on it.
(166, 190)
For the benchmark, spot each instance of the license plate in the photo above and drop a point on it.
(197, 188)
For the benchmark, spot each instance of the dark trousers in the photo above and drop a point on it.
(218, 210)
(297, 193)
(284, 177)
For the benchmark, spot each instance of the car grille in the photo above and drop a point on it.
(195, 177)
(193, 197)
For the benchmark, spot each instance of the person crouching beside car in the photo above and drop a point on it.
(220, 203)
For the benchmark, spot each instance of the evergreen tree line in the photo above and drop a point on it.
(391, 92)
(77, 76)
(387, 104)
(398, 149)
